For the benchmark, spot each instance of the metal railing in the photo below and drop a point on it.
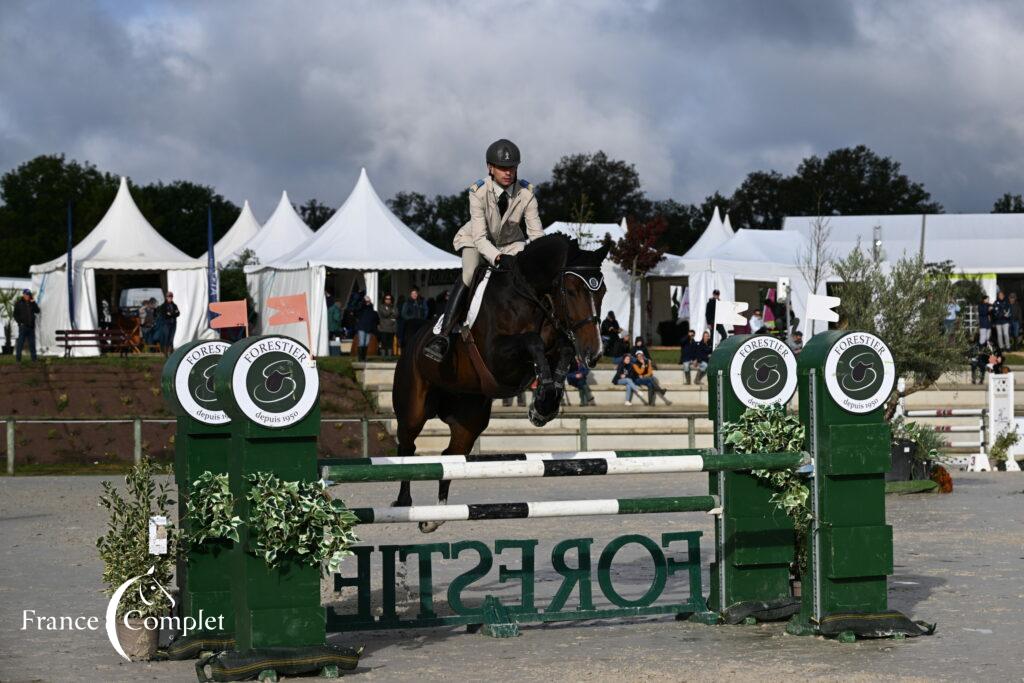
(582, 431)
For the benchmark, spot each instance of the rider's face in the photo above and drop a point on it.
(503, 176)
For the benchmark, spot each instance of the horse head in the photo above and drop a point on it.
(557, 267)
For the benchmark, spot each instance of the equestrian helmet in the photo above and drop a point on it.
(503, 153)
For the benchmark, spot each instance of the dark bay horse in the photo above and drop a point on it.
(533, 322)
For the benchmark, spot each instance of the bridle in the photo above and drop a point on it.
(592, 279)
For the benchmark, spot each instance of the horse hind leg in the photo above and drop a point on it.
(466, 422)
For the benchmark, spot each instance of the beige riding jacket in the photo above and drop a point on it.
(492, 234)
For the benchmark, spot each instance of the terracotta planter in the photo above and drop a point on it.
(138, 642)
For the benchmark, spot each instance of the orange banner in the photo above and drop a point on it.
(231, 314)
(290, 309)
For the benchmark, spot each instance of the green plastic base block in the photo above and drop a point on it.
(707, 618)
(918, 486)
(796, 627)
(847, 637)
(498, 620)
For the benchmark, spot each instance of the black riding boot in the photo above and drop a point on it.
(437, 348)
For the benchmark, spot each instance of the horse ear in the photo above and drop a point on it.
(603, 251)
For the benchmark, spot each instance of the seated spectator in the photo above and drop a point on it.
(625, 376)
(644, 369)
(617, 348)
(980, 357)
(697, 358)
(756, 322)
(686, 351)
(796, 342)
(639, 345)
(610, 331)
(577, 378)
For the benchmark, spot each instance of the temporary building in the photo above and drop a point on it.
(283, 232)
(231, 245)
(362, 239)
(123, 240)
(616, 280)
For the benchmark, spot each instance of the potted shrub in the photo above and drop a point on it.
(8, 297)
(914, 448)
(1001, 448)
(124, 550)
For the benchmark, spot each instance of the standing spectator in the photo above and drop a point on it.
(414, 308)
(1001, 321)
(577, 378)
(949, 322)
(984, 321)
(168, 314)
(644, 369)
(625, 376)
(147, 320)
(366, 326)
(106, 319)
(687, 353)
(25, 311)
(756, 322)
(388, 325)
(701, 354)
(709, 314)
(796, 342)
(336, 321)
(1015, 319)
(610, 331)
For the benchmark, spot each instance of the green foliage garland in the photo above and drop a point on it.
(770, 429)
(211, 509)
(298, 521)
(124, 549)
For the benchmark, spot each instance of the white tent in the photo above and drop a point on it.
(283, 232)
(123, 240)
(362, 237)
(231, 245)
(615, 278)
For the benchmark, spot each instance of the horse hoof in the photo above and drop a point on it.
(429, 527)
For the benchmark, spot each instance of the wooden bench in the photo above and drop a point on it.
(108, 340)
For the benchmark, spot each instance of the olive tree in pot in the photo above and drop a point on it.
(124, 550)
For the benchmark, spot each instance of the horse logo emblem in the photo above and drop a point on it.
(203, 392)
(278, 383)
(115, 602)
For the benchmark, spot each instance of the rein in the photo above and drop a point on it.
(567, 330)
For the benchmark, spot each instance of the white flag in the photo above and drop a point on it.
(820, 308)
(727, 313)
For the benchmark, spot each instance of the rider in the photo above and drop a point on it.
(503, 216)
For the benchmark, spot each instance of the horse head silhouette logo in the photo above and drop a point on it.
(862, 373)
(115, 602)
(278, 383)
(204, 392)
(766, 375)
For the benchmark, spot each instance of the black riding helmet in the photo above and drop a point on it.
(503, 153)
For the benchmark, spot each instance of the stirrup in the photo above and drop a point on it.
(437, 354)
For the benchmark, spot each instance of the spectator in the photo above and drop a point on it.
(105, 317)
(1000, 313)
(366, 326)
(619, 348)
(644, 369)
(577, 377)
(388, 323)
(709, 314)
(639, 345)
(520, 400)
(687, 353)
(701, 354)
(168, 314)
(439, 304)
(1015, 319)
(984, 321)
(796, 342)
(610, 332)
(336, 320)
(25, 312)
(949, 322)
(147, 320)
(756, 322)
(978, 356)
(625, 376)
(414, 308)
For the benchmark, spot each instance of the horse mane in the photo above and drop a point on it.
(542, 260)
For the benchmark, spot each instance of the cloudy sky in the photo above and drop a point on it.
(256, 97)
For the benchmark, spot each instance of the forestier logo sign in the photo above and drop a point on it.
(859, 372)
(275, 382)
(763, 371)
(193, 382)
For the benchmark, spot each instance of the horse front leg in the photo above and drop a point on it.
(546, 399)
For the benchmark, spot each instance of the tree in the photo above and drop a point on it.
(684, 224)
(178, 211)
(637, 253)
(815, 259)
(762, 201)
(315, 214)
(435, 220)
(904, 306)
(1009, 203)
(855, 181)
(611, 186)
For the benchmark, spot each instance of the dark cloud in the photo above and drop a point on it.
(258, 97)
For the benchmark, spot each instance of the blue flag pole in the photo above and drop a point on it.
(71, 276)
(211, 264)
